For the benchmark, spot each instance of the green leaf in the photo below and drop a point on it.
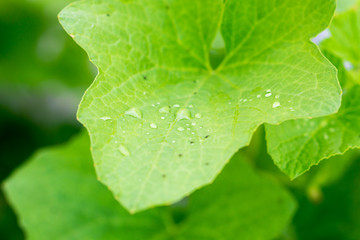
(343, 5)
(57, 196)
(345, 41)
(159, 107)
(296, 145)
(336, 215)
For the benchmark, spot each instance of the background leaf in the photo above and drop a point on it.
(59, 183)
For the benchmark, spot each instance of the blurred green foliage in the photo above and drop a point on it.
(43, 74)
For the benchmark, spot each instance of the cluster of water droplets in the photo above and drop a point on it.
(267, 94)
(176, 116)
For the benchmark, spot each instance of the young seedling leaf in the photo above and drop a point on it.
(161, 106)
(57, 196)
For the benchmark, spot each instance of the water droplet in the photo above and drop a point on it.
(144, 93)
(258, 96)
(194, 123)
(326, 137)
(105, 118)
(163, 118)
(292, 109)
(176, 105)
(276, 104)
(245, 100)
(269, 90)
(124, 151)
(277, 96)
(332, 130)
(229, 103)
(134, 112)
(180, 129)
(173, 141)
(198, 115)
(153, 105)
(165, 109)
(153, 125)
(72, 35)
(191, 106)
(268, 94)
(183, 114)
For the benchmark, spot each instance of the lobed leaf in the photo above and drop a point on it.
(296, 145)
(60, 183)
(160, 106)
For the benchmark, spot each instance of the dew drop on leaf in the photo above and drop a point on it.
(198, 115)
(134, 112)
(183, 114)
(124, 151)
(105, 118)
(180, 129)
(276, 104)
(153, 125)
(165, 109)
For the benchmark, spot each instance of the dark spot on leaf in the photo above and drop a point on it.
(194, 81)
(180, 155)
(195, 93)
(207, 164)
(191, 142)
(207, 136)
(145, 77)
(167, 7)
(164, 175)
(108, 14)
